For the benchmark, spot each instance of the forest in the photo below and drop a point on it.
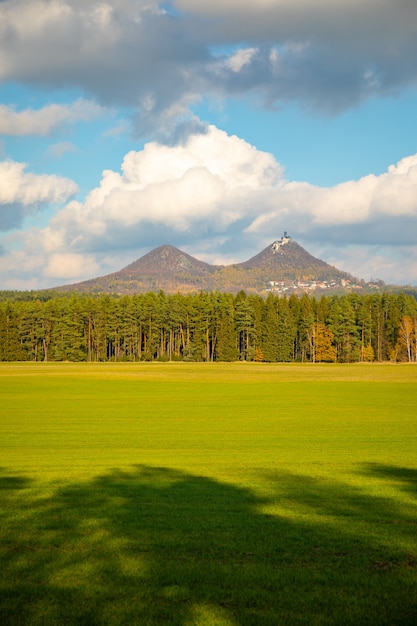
(208, 326)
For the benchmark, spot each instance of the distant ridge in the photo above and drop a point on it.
(283, 267)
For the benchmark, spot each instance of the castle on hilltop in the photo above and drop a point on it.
(281, 242)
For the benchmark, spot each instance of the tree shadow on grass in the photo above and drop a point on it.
(404, 477)
(158, 546)
(9, 481)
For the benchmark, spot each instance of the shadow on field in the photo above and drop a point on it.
(404, 477)
(157, 546)
(11, 481)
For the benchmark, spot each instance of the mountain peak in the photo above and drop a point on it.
(167, 260)
(283, 265)
(280, 242)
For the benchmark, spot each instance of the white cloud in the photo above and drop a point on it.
(396, 265)
(26, 188)
(216, 184)
(217, 194)
(199, 186)
(44, 121)
(19, 270)
(57, 150)
(69, 266)
(22, 193)
(33, 269)
(374, 210)
(242, 57)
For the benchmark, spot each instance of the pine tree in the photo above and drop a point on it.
(270, 331)
(226, 347)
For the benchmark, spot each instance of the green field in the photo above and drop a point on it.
(223, 494)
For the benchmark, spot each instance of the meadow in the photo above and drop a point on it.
(208, 494)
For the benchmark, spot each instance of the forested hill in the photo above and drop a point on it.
(283, 267)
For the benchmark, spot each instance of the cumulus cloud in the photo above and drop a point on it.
(218, 187)
(373, 210)
(44, 121)
(22, 193)
(201, 186)
(136, 53)
(218, 197)
(31, 268)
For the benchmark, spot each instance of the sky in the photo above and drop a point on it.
(212, 126)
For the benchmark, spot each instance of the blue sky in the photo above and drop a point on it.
(212, 126)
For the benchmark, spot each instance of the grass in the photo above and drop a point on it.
(199, 494)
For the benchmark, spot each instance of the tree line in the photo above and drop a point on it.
(209, 326)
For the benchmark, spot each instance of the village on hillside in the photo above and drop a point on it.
(303, 286)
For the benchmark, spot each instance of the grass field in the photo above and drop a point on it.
(208, 494)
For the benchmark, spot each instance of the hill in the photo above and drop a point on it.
(282, 267)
